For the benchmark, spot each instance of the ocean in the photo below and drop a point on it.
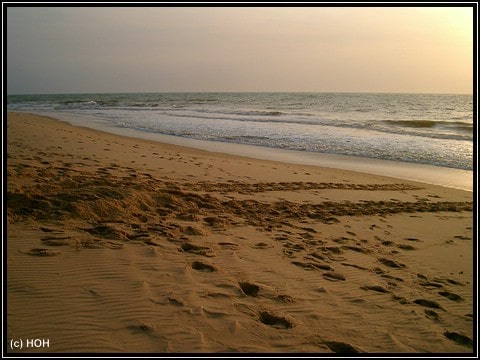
(431, 129)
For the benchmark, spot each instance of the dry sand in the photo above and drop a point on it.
(116, 244)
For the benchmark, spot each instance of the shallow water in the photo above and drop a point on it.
(414, 128)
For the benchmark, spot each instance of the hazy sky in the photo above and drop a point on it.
(114, 49)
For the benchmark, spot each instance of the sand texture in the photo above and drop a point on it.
(116, 244)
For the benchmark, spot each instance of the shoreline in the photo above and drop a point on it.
(430, 174)
(124, 245)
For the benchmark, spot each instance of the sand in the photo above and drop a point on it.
(116, 244)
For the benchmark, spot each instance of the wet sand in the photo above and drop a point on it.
(116, 244)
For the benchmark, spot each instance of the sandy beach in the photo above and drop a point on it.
(117, 244)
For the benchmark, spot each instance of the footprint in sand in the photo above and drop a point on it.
(45, 229)
(214, 221)
(285, 298)
(413, 239)
(176, 301)
(391, 277)
(42, 252)
(354, 266)
(376, 288)
(459, 338)
(341, 347)
(333, 276)
(424, 281)
(55, 240)
(400, 299)
(200, 266)
(432, 315)
(331, 250)
(406, 247)
(260, 245)
(228, 245)
(249, 288)
(275, 321)
(451, 296)
(311, 266)
(105, 231)
(195, 249)
(427, 303)
(356, 249)
(450, 281)
(141, 328)
(391, 263)
(461, 237)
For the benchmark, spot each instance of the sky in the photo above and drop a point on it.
(312, 49)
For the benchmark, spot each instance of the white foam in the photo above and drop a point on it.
(443, 176)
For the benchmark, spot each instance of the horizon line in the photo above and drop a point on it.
(237, 92)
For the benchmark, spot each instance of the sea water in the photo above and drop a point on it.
(431, 129)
